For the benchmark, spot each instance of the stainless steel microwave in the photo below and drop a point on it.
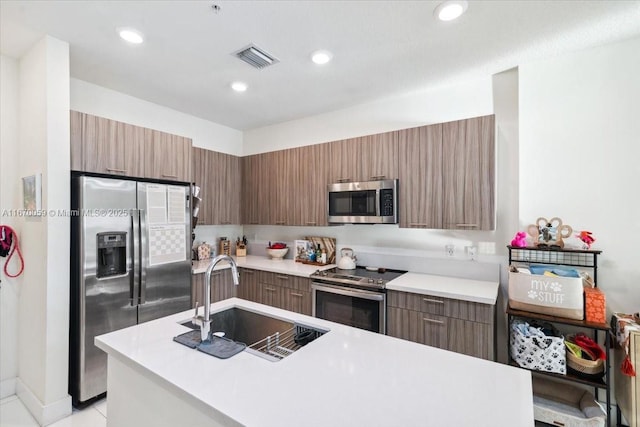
(367, 202)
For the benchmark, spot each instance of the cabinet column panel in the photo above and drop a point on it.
(420, 154)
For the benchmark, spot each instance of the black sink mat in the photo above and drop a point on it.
(191, 339)
(221, 347)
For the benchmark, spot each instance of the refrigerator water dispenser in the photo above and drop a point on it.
(112, 254)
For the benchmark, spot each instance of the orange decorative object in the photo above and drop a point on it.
(595, 305)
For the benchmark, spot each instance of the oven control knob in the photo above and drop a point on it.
(370, 280)
(380, 281)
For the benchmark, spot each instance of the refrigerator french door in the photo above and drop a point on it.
(130, 263)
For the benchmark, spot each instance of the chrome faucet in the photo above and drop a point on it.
(203, 321)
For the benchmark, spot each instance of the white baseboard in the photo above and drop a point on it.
(44, 414)
(7, 387)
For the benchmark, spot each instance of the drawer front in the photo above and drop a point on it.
(278, 279)
(432, 329)
(440, 306)
(470, 338)
(417, 302)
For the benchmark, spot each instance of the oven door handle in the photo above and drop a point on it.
(350, 292)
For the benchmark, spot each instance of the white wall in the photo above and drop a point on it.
(9, 199)
(99, 101)
(43, 308)
(579, 151)
(436, 105)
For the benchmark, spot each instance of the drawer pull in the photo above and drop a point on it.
(311, 222)
(295, 294)
(169, 176)
(418, 224)
(282, 277)
(269, 289)
(344, 179)
(439, 322)
(437, 301)
(466, 225)
(117, 170)
(377, 177)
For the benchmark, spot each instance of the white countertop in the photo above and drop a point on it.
(447, 287)
(346, 377)
(285, 266)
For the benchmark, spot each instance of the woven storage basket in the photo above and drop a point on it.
(585, 367)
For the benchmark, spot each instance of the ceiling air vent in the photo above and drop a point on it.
(256, 57)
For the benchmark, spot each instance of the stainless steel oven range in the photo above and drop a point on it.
(355, 298)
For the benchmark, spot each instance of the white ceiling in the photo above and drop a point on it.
(381, 48)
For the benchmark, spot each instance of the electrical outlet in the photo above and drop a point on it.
(472, 252)
(449, 250)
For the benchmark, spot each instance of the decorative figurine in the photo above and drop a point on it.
(549, 233)
(587, 238)
(520, 240)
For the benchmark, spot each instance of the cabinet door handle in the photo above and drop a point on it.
(117, 170)
(248, 272)
(439, 322)
(344, 179)
(282, 277)
(466, 225)
(311, 222)
(266, 288)
(437, 301)
(169, 176)
(295, 294)
(418, 224)
(377, 177)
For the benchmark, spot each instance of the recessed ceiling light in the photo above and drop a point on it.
(239, 86)
(450, 10)
(131, 35)
(321, 57)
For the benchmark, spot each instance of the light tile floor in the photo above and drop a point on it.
(14, 414)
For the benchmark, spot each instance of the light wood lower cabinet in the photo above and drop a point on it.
(222, 287)
(461, 326)
(284, 291)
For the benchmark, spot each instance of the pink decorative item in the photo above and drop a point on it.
(520, 240)
(587, 238)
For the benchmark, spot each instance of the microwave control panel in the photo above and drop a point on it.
(386, 202)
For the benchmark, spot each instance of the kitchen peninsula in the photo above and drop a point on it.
(346, 377)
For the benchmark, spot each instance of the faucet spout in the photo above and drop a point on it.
(204, 322)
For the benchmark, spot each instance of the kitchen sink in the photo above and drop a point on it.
(265, 336)
(244, 326)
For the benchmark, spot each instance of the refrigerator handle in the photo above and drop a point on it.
(135, 261)
(144, 254)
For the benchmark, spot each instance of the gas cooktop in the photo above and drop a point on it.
(366, 277)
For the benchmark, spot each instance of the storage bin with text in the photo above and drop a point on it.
(551, 295)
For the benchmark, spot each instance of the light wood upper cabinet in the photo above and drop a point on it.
(219, 177)
(201, 168)
(420, 185)
(310, 184)
(468, 148)
(251, 177)
(106, 146)
(366, 158)
(344, 164)
(167, 156)
(378, 156)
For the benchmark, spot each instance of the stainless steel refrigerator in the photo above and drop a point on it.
(130, 263)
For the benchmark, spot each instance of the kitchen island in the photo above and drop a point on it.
(347, 377)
